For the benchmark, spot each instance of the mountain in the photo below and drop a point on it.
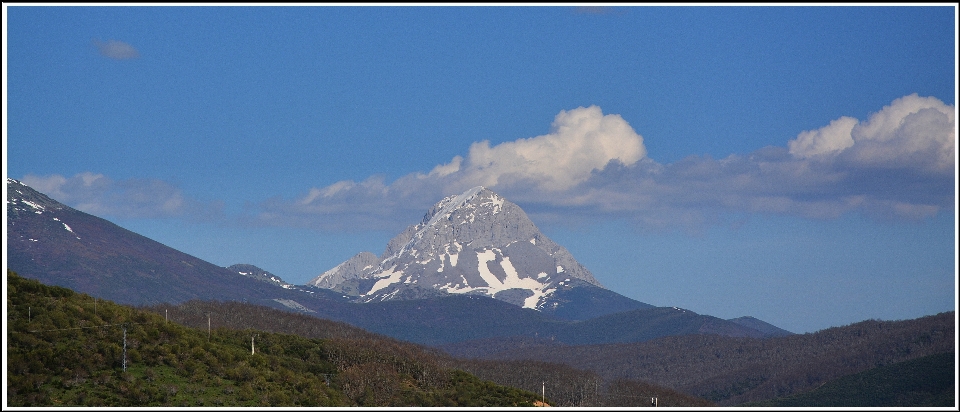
(58, 245)
(477, 243)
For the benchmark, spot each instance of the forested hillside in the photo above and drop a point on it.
(564, 386)
(732, 371)
(69, 349)
(929, 381)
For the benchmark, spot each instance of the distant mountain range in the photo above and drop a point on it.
(474, 268)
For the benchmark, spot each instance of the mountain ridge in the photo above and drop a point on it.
(58, 245)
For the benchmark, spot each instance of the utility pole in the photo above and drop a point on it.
(543, 394)
(596, 392)
(208, 325)
(124, 348)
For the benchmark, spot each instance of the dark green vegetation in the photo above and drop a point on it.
(733, 371)
(925, 381)
(67, 349)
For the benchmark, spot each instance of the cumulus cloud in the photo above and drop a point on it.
(102, 196)
(580, 141)
(828, 139)
(116, 50)
(912, 132)
(897, 164)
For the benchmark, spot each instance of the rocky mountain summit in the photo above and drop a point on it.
(476, 242)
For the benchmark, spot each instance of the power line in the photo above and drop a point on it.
(124, 325)
(81, 327)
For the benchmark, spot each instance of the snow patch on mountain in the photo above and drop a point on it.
(387, 278)
(37, 208)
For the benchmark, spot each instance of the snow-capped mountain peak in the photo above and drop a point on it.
(476, 242)
(451, 204)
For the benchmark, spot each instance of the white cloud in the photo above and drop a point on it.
(447, 169)
(116, 50)
(580, 141)
(132, 198)
(827, 140)
(912, 132)
(897, 164)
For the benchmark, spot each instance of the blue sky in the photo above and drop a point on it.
(796, 164)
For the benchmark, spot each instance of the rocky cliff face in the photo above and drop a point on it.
(473, 243)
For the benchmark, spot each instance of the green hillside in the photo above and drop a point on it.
(69, 349)
(928, 381)
(564, 386)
